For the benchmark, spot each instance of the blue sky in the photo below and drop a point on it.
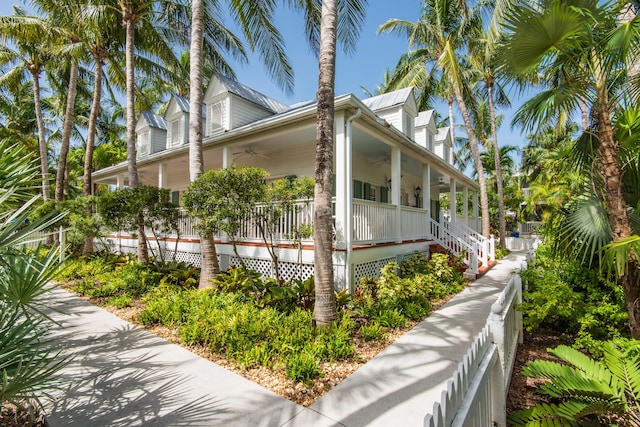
(365, 68)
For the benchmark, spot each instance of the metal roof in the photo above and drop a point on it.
(251, 95)
(183, 103)
(424, 117)
(443, 134)
(154, 120)
(387, 100)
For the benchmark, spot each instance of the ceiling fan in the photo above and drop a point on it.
(249, 151)
(385, 159)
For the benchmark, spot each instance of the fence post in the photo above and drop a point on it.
(62, 239)
(492, 248)
(517, 282)
(496, 327)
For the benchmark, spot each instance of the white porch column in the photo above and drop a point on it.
(120, 181)
(162, 175)
(344, 190)
(426, 197)
(476, 220)
(396, 186)
(452, 200)
(426, 188)
(226, 157)
(344, 186)
(465, 205)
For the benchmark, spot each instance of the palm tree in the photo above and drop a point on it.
(483, 61)
(586, 48)
(147, 20)
(214, 38)
(30, 37)
(443, 29)
(325, 307)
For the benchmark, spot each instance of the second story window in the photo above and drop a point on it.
(143, 144)
(215, 117)
(176, 132)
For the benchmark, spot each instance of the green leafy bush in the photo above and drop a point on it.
(568, 297)
(120, 301)
(303, 367)
(371, 332)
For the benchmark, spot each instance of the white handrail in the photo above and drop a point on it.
(452, 242)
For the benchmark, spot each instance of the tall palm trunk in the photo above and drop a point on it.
(42, 143)
(128, 21)
(498, 166)
(66, 131)
(210, 267)
(473, 143)
(91, 138)
(325, 305)
(617, 207)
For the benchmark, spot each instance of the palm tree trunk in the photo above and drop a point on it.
(131, 98)
(473, 143)
(451, 123)
(66, 131)
(617, 207)
(325, 306)
(210, 267)
(42, 143)
(496, 158)
(128, 20)
(91, 138)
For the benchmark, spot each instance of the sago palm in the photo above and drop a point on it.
(585, 391)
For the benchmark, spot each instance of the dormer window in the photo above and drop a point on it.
(143, 144)
(215, 117)
(176, 132)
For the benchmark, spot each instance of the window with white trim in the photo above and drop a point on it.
(215, 117)
(176, 132)
(143, 144)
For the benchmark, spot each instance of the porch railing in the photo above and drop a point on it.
(373, 222)
(530, 227)
(414, 224)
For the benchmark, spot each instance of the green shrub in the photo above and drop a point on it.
(302, 367)
(371, 332)
(501, 253)
(568, 297)
(389, 317)
(415, 264)
(120, 301)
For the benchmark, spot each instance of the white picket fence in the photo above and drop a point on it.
(476, 393)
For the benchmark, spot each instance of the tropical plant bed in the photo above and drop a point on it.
(275, 380)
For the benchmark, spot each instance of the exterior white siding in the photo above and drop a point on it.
(244, 112)
(422, 137)
(392, 116)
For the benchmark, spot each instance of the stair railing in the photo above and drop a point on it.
(469, 248)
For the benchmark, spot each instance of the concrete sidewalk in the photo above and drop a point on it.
(122, 375)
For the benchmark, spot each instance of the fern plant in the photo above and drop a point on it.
(585, 391)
